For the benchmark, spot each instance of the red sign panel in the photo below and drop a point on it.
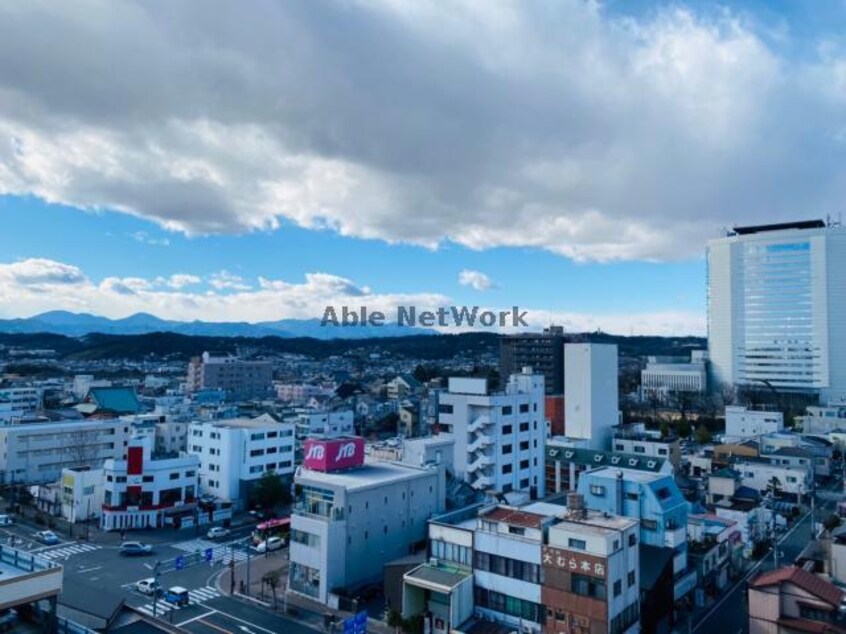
(332, 455)
(134, 461)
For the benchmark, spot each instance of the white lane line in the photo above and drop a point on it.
(202, 616)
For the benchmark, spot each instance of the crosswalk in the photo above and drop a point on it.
(222, 552)
(66, 551)
(197, 595)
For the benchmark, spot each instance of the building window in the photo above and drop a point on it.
(506, 469)
(506, 410)
(524, 408)
(524, 445)
(445, 408)
(631, 496)
(147, 479)
(662, 452)
(577, 544)
(506, 449)
(650, 525)
(639, 449)
(524, 464)
(632, 539)
(506, 429)
(272, 434)
(631, 578)
(619, 447)
(597, 489)
(618, 587)
(256, 452)
(174, 475)
(524, 483)
(524, 426)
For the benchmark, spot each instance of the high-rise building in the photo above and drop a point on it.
(777, 307)
(591, 400)
(499, 436)
(240, 379)
(543, 352)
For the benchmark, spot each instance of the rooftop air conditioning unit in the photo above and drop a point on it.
(433, 561)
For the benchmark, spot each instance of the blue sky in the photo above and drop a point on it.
(569, 157)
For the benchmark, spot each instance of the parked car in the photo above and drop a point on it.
(271, 543)
(217, 532)
(135, 548)
(177, 595)
(8, 620)
(47, 537)
(6, 520)
(148, 586)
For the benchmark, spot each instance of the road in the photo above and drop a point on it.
(96, 565)
(729, 613)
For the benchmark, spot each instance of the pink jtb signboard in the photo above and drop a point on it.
(331, 455)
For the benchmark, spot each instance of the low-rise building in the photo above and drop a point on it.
(792, 600)
(742, 422)
(715, 549)
(37, 452)
(636, 439)
(762, 476)
(235, 453)
(664, 375)
(143, 492)
(350, 518)
(239, 378)
(591, 572)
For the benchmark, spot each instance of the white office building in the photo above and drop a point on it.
(236, 453)
(347, 524)
(664, 375)
(23, 399)
(323, 424)
(777, 307)
(499, 436)
(37, 452)
(742, 422)
(591, 401)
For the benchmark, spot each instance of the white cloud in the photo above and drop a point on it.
(38, 285)
(224, 280)
(180, 280)
(551, 124)
(144, 237)
(475, 279)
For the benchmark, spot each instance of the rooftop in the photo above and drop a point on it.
(781, 226)
(514, 517)
(370, 474)
(246, 423)
(809, 582)
(439, 574)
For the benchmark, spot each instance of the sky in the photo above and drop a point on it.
(197, 160)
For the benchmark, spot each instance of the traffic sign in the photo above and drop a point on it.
(179, 563)
(208, 554)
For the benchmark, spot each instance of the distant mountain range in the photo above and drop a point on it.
(70, 324)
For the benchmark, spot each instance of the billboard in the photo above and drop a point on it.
(334, 454)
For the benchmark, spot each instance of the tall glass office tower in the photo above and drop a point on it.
(777, 307)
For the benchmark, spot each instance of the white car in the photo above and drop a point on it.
(147, 586)
(272, 543)
(6, 520)
(217, 532)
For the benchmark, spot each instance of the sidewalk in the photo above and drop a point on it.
(301, 609)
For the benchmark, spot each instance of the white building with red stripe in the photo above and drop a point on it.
(142, 491)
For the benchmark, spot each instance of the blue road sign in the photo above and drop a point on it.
(361, 622)
(349, 626)
(209, 552)
(179, 564)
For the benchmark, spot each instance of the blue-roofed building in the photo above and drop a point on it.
(114, 400)
(654, 499)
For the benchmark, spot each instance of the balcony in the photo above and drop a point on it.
(481, 442)
(480, 422)
(674, 537)
(482, 482)
(482, 462)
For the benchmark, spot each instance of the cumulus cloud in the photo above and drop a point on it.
(552, 124)
(144, 237)
(179, 280)
(474, 279)
(41, 274)
(224, 280)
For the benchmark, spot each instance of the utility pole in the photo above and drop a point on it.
(232, 571)
(248, 572)
(156, 587)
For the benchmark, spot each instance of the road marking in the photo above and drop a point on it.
(235, 618)
(747, 575)
(83, 571)
(216, 627)
(196, 618)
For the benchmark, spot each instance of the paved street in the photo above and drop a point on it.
(728, 615)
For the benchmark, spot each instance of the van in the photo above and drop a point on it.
(177, 595)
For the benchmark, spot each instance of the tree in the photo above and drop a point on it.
(665, 429)
(272, 578)
(82, 447)
(703, 436)
(831, 522)
(683, 428)
(774, 486)
(270, 491)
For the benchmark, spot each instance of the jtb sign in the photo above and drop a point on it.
(331, 455)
